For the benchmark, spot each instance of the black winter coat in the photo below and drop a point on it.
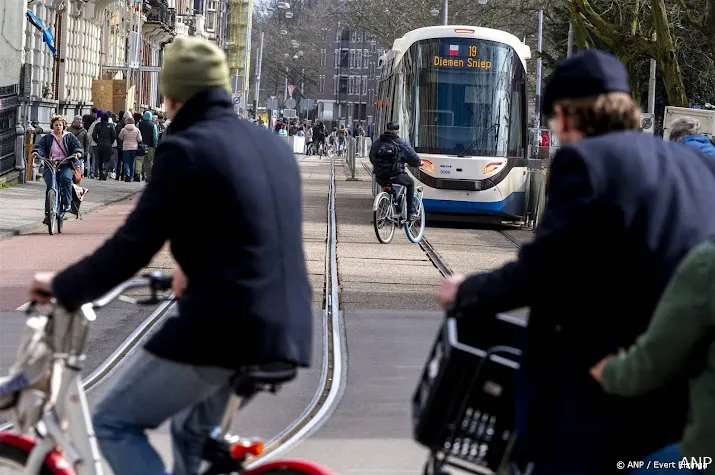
(227, 196)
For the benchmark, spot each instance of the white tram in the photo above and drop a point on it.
(459, 95)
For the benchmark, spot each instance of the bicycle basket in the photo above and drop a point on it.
(463, 406)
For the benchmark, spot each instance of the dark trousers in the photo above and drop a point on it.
(104, 160)
(405, 180)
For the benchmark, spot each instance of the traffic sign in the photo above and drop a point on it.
(290, 103)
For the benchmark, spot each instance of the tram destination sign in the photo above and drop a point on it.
(455, 58)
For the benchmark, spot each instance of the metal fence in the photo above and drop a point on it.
(8, 121)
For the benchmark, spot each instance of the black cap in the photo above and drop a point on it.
(393, 126)
(585, 74)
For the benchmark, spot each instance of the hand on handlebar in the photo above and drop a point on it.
(41, 287)
(179, 282)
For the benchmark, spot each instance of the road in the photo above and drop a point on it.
(387, 305)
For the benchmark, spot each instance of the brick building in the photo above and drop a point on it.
(347, 83)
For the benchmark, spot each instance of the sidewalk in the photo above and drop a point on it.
(22, 207)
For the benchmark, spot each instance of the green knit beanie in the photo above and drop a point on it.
(190, 65)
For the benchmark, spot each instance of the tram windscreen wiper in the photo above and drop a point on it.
(466, 151)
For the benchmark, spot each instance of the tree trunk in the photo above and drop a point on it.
(667, 58)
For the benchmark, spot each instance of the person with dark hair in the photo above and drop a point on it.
(388, 156)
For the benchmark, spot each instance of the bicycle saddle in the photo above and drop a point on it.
(263, 377)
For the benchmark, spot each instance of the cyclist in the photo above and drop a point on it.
(56, 146)
(244, 288)
(319, 138)
(342, 139)
(388, 156)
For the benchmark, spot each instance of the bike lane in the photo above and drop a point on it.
(25, 254)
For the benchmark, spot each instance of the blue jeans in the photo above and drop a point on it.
(130, 157)
(150, 391)
(64, 179)
(671, 454)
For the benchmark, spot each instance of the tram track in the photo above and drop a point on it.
(334, 368)
(334, 358)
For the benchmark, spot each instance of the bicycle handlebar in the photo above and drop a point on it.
(156, 281)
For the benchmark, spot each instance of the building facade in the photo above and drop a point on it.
(348, 79)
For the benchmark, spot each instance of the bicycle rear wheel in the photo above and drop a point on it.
(415, 229)
(52, 215)
(382, 218)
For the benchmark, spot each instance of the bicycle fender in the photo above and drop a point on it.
(53, 461)
(308, 468)
(377, 200)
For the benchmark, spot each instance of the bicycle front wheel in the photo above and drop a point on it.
(415, 228)
(52, 215)
(383, 219)
(13, 460)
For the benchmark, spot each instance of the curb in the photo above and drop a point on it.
(30, 228)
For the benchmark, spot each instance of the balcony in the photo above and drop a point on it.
(160, 22)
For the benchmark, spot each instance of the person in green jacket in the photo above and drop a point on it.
(682, 325)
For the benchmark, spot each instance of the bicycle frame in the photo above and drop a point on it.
(55, 167)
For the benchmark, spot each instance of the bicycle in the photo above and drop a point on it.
(47, 397)
(55, 216)
(389, 210)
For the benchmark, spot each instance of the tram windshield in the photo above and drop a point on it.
(464, 96)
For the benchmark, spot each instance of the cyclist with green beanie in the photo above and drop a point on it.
(243, 288)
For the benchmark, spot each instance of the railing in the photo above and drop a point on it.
(162, 14)
(350, 157)
(535, 196)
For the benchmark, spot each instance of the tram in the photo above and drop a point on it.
(459, 94)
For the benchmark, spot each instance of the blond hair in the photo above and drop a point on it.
(598, 115)
(129, 120)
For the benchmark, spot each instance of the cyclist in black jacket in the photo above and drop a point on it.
(391, 169)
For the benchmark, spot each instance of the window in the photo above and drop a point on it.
(365, 58)
(210, 22)
(364, 85)
(335, 84)
(351, 84)
(337, 58)
(324, 34)
(352, 58)
(345, 35)
(338, 34)
(321, 84)
(343, 85)
(371, 69)
(358, 58)
(344, 58)
(323, 57)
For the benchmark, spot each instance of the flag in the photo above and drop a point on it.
(454, 50)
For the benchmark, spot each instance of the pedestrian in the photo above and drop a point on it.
(150, 138)
(131, 137)
(624, 207)
(104, 135)
(93, 172)
(77, 129)
(686, 130)
(241, 302)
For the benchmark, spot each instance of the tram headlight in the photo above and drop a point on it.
(427, 165)
(491, 167)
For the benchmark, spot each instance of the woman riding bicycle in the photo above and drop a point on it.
(55, 147)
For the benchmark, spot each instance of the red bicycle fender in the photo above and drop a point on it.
(309, 468)
(54, 462)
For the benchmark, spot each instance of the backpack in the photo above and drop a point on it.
(387, 159)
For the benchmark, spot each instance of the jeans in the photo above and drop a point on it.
(405, 180)
(130, 157)
(150, 391)
(64, 179)
(671, 453)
